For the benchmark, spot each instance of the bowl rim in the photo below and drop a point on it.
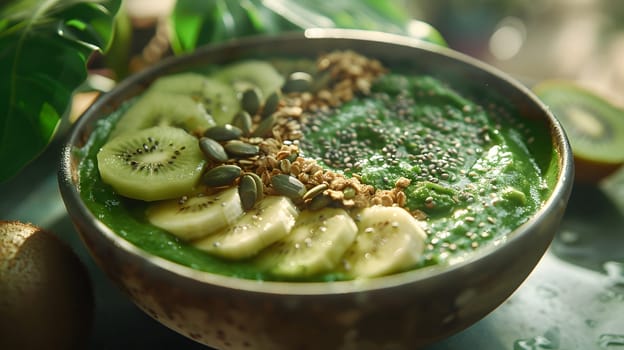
(559, 193)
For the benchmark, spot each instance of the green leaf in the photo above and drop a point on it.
(197, 23)
(44, 46)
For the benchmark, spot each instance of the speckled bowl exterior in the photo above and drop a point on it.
(402, 311)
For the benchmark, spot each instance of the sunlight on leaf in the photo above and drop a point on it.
(197, 23)
(45, 45)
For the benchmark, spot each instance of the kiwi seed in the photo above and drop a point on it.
(161, 162)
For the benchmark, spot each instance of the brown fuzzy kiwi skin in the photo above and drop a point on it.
(46, 296)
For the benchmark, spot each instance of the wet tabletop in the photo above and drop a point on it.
(574, 299)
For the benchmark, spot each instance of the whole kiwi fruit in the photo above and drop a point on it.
(46, 298)
(594, 125)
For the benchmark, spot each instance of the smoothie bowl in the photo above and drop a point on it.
(328, 190)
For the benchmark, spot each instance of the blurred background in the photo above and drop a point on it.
(581, 40)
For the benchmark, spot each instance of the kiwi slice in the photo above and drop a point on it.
(595, 127)
(218, 98)
(248, 74)
(157, 108)
(161, 162)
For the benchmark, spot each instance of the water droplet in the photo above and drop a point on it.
(606, 341)
(591, 323)
(613, 293)
(569, 237)
(615, 272)
(547, 292)
(550, 341)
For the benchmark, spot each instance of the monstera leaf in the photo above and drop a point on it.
(44, 46)
(197, 23)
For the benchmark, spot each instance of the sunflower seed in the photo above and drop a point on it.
(315, 191)
(288, 186)
(213, 150)
(284, 165)
(240, 149)
(222, 175)
(223, 132)
(247, 191)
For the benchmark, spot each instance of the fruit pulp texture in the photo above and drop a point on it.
(469, 163)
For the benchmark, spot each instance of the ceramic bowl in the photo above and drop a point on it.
(401, 311)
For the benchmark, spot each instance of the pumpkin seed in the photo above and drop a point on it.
(315, 191)
(259, 185)
(270, 105)
(213, 150)
(265, 126)
(223, 132)
(251, 100)
(293, 157)
(321, 80)
(240, 149)
(222, 175)
(319, 202)
(297, 82)
(288, 186)
(242, 120)
(247, 191)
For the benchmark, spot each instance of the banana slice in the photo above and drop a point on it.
(196, 216)
(389, 240)
(269, 221)
(315, 245)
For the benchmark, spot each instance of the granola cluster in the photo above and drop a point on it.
(348, 74)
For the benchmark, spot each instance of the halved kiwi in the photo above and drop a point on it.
(594, 125)
(218, 98)
(159, 108)
(249, 74)
(161, 162)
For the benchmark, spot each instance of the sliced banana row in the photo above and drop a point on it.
(269, 221)
(370, 242)
(315, 244)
